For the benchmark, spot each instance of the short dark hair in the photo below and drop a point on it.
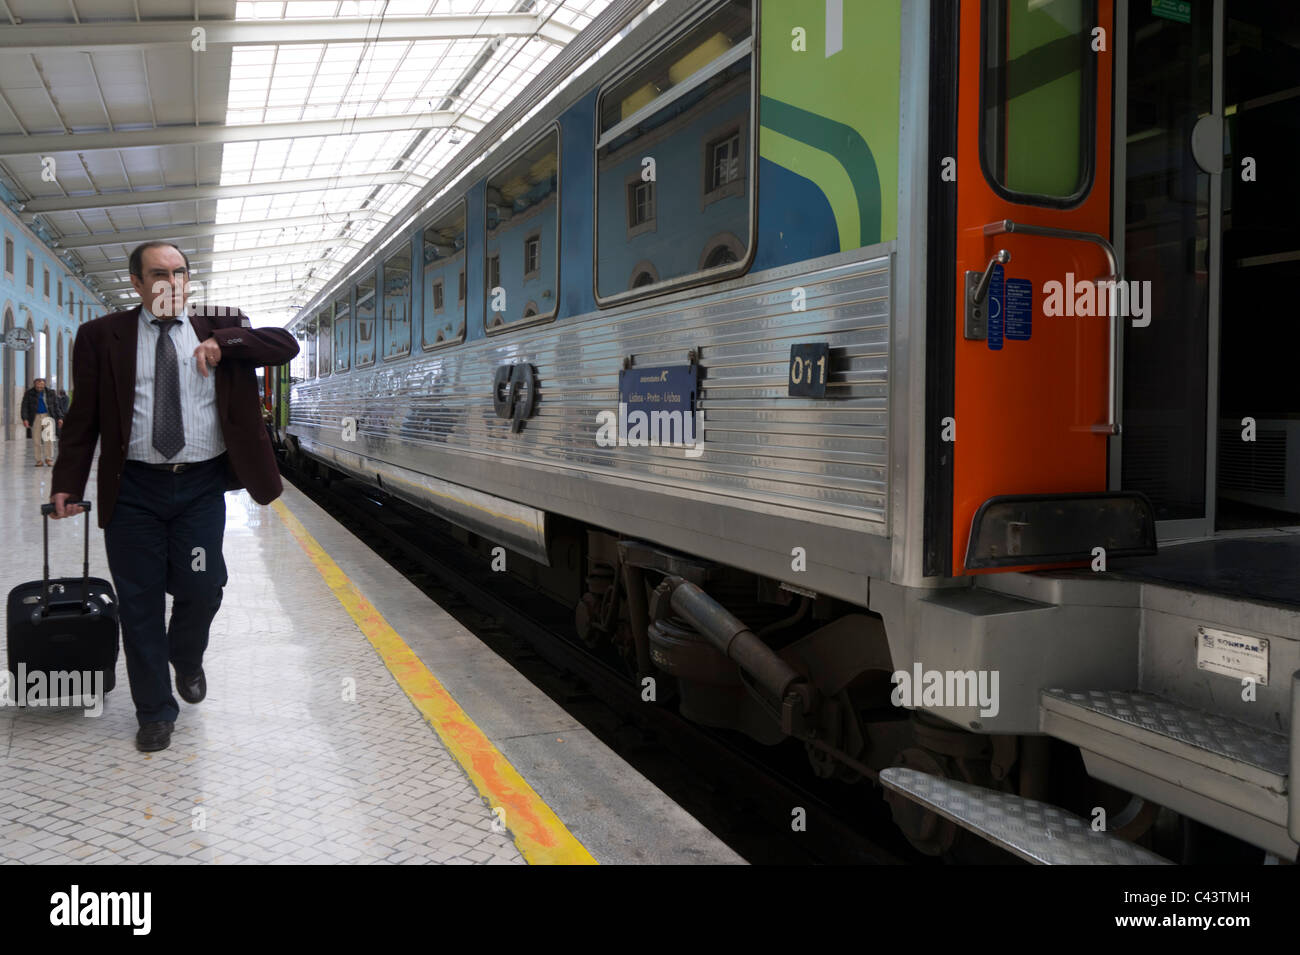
(137, 256)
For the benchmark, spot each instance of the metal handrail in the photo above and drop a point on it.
(1111, 425)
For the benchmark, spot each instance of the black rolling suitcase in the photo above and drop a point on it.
(62, 627)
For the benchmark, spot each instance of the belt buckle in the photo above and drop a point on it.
(178, 468)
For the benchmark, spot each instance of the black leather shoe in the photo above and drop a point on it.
(154, 736)
(192, 687)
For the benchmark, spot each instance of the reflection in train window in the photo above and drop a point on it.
(683, 118)
(365, 292)
(443, 257)
(397, 303)
(523, 236)
(342, 333)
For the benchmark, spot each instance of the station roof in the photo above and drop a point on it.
(270, 139)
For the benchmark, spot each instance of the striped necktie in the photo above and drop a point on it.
(168, 428)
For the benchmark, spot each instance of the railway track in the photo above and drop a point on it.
(744, 793)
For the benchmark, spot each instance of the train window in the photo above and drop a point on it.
(1038, 99)
(443, 256)
(523, 236)
(683, 116)
(397, 303)
(342, 333)
(325, 337)
(365, 315)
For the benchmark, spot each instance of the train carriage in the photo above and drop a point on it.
(877, 358)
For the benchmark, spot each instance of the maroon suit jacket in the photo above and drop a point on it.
(103, 399)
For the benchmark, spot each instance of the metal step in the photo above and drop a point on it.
(1223, 772)
(1035, 831)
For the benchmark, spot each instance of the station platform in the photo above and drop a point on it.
(348, 719)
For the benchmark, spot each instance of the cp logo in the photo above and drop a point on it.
(514, 393)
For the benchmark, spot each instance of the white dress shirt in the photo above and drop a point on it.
(203, 438)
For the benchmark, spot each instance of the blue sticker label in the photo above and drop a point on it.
(663, 397)
(994, 303)
(1018, 308)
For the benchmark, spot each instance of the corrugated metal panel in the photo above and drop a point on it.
(822, 456)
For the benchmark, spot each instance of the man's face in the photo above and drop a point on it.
(166, 281)
(40, 384)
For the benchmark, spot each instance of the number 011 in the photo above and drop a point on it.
(809, 365)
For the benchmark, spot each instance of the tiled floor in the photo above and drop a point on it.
(276, 765)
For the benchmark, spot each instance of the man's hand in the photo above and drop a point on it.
(207, 355)
(60, 422)
(26, 424)
(62, 508)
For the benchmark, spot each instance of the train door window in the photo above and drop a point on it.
(1038, 97)
(522, 206)
(325, 341)
(298, 364)
(365, 315)
(311, 348)
(397, 303)
(682, 117)
(342, 333)
(443, 257)
(460, 286)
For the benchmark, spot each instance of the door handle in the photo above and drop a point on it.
(977, 289)
(1007, 226)
(982, 289)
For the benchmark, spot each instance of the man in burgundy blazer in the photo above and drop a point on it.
(170, 506)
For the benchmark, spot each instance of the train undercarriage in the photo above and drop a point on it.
(786, 666)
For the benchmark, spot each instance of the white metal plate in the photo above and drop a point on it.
(1232, 654)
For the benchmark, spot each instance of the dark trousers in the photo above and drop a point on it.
(159, 521)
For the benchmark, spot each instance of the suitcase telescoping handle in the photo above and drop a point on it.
(46, 511)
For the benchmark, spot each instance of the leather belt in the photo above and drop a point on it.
(177, 468)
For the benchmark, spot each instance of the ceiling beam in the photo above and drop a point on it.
(245, 276)
(191, 230)
(18, 144)
(148, 197)
(319, 244)
(132, 35)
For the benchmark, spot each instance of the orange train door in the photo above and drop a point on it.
(1035, 391)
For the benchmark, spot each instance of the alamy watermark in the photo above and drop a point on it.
(946, 688)
(653, 429)
(1122, 299)
(53, 688)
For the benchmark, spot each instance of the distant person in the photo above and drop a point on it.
(193, 431)
(38, 404)
(64, 401)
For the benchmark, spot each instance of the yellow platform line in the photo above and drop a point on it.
(539, 834)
